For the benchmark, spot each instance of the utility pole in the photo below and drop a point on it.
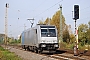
(61, 32)
(6, 24)
(31, 21)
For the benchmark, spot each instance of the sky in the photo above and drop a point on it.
(21, 10)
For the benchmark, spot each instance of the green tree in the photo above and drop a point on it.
(72, 38)
(88, 36)
(88, 33)
(82, 29)
(66, 36)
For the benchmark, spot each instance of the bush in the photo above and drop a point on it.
(71, 46)
(64, 45)
(89, 42)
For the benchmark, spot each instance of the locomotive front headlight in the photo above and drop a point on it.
(56, 45)
(43, 45)
(43, 41)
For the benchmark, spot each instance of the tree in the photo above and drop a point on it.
(72, 38)
(40, 22)
(82, 29)
(56, 21)
(47, 21)
(88, 36)
(88, 33)
(89, 24)
(66, 36)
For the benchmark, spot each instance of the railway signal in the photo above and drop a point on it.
(76, 16)
(76, 12)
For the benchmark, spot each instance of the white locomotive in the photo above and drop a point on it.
(40, 38)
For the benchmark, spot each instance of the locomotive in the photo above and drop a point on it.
(40, 38)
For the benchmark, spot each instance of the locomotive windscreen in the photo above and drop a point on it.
(47, 26)
(48, 31)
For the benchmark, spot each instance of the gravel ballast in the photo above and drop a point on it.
(27, 55)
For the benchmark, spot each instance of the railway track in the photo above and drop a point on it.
(67, 57)
(59, 55)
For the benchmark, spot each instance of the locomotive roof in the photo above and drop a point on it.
(38, 25)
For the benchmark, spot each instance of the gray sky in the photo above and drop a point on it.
(40, 10)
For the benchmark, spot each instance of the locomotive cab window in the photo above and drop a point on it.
(48, 32)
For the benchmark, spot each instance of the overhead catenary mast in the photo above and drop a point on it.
(61, 32)
(6, 23)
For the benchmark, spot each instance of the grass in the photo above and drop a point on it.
(6, 55)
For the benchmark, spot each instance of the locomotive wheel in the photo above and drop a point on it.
(40, 51)
(23, 46)
(28, 49)
(36, 51)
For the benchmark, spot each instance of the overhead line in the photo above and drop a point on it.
(38, 5)
(48, 8)
(80, 10)
(85, 8)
